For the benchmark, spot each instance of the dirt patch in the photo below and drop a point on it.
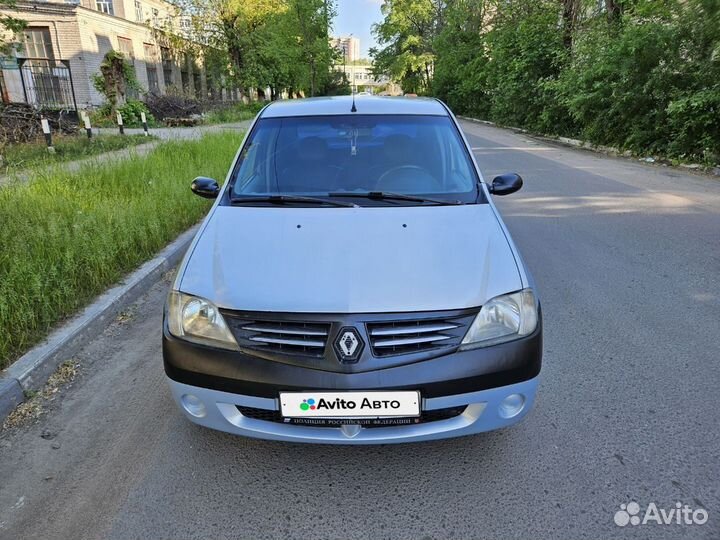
(36, 404)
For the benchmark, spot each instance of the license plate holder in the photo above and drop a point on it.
(351, 405)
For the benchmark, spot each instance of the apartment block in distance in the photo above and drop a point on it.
(348, 46)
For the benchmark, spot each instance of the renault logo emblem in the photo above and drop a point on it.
(348, 345)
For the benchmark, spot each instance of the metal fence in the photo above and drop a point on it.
(47, 83)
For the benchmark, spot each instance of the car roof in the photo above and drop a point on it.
(336, 105)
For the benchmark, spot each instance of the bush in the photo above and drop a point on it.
(131, 114)
(103, 116)
(526, 56)
(616, 87)
(646, 80)
(694, 125)
(173, 106)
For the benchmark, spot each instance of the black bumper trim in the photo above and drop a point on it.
(457, 373)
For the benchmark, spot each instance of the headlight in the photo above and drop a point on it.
(503, 318)
(196, 319)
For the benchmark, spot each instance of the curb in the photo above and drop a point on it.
(11, 395)
(33, 369)
(608, 150)
(576, 143)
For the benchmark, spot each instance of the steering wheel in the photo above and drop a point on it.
(413, 174)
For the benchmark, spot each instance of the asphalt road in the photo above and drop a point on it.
(627, 261)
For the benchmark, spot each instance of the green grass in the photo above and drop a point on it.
(235, 113)
(66, 236)
(67, 148)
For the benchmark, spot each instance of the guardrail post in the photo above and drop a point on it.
(48, 135)
(86, 121)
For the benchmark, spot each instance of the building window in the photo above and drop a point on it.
(152, 76)
(151, 68)
(138, 11)
(166, 58)
(105, 6)
(125, 46)
(37, 43)
(197, 83)
(185, 73)
(155, 17)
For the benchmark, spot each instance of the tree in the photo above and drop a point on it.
(570, 14)
(459, 76)
(115, 78)
(407, 35)
(311, 18)
(9, 25)
(281, 44)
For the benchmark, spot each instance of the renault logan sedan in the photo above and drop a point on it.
(353, 283)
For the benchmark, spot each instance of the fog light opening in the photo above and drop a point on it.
(511, 406)
(193, 405)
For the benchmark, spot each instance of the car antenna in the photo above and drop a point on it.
(353, 108)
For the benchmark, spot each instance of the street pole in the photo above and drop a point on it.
(344, 47)
(352, 71)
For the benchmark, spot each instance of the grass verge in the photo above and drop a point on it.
(67, 236)
(67, 148)
(235, 113)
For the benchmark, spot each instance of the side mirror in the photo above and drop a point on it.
(205, 187)
(505, 184)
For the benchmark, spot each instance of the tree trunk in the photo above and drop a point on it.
(234, 51)
(570, 15)
(312, 77)
(614, 9)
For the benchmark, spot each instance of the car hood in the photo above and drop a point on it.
(351, 260)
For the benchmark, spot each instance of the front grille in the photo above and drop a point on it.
(287, 337)
(425, 416)
(389, 338)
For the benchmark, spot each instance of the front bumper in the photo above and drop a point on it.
(220, 411)
(460, 372)
(477, 380)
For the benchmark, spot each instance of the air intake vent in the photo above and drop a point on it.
(425, 416)
(294, 337)
(388, 338)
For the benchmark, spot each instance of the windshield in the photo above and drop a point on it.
(356, 154)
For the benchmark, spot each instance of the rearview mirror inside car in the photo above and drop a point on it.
(506, 184)
(205, 187)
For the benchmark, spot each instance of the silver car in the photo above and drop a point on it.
(353, 283)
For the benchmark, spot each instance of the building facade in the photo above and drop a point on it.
(362, 79)
(348, 46)
(64, 44)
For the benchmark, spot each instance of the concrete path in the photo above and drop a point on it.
(164, 134)
(627, 262)
(176, 133)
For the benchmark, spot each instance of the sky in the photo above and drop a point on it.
(356, 17)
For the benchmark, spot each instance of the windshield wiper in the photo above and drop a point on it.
(285, 199)
(386, 195)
